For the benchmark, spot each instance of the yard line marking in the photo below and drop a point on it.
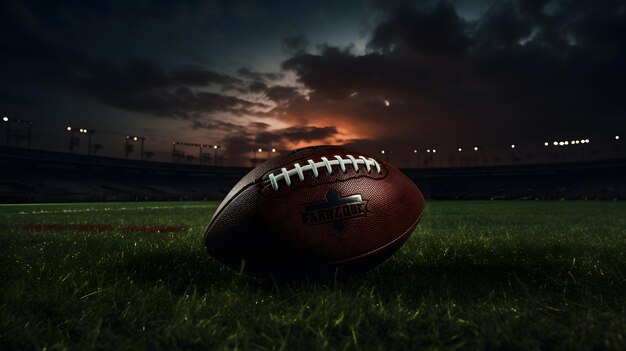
(146, 229)
(109, 209)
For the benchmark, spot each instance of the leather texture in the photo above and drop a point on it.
(334, 225)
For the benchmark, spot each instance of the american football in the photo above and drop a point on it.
(313, 175)
(318, 212)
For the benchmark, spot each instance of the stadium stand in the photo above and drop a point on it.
(46, 176)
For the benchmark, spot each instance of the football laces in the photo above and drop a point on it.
(324, 163)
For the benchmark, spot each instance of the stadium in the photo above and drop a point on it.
(136, 137)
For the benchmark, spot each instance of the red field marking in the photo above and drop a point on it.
(148, 229)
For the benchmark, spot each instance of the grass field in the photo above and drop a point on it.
(475, 275)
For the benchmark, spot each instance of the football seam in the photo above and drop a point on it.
(276, 196)
(216, 214)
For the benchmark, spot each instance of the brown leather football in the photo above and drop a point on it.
(317, 212)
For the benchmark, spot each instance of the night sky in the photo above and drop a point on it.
(372, 74)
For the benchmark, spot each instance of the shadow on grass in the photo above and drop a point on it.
(462, 278)
(179, 270)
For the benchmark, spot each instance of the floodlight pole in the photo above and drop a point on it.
(513, 153)
(142, 140)
(215, 147)
(71, 141)
(126, 149)
(8, 120)
(30, 125)
(89, 142)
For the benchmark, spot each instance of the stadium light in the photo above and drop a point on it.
(561, 143)
(476, 156)
(616, 137)
(432, 155)
(566, 142)
(128, 148)
(73, 140)
(382, 152)
(513, 159)
(417, 158)
(546, 143)
(176, 154)
(215, 147)
(273, 150)
(460, 149)
(260, 150)
(6, 120)
(17, 133)
(555, 143)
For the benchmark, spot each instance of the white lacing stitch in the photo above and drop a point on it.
(324, 163)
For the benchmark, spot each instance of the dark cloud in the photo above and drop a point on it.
(241, 145)
(426, 75)
(257, 87)
(38, 55)
(279, 93)
(306, 133)
(503, 26)
(437, 31)
(141, 86)
(433, 78)
(291, 135)
(258, 76)
(259, 126)
(296, 43)
(218, 125)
